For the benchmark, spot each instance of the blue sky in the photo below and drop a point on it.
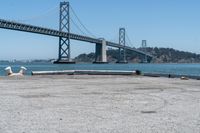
(163, 23)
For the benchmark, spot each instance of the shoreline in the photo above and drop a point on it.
(108, 73)
(171, 75)
(112, 72)
(183, 70)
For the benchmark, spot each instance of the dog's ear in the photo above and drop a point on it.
(22, 70)
(8, 70)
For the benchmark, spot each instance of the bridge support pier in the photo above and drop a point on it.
(100, 53)
(122, 57)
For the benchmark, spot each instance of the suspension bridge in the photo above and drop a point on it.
(65, 35)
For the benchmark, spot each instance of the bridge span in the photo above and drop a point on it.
(65, 35)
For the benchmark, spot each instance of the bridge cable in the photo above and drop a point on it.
(115, 38)
(77, 26)
(48, 12)
(81, 22)
(130, 44)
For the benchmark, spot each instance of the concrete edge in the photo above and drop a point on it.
(170, 75)
(85, 72)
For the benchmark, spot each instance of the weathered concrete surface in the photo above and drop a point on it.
(102, 104)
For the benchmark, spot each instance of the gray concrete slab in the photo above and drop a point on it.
(100, 104)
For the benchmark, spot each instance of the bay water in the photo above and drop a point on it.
(178, 69)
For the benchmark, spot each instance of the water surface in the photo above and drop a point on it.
(179, 69)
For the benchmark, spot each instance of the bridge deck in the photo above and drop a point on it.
(11, 25)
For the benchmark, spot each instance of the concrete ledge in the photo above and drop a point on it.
(104, 72)
(66, 72)
(170, 75)
(85, 72)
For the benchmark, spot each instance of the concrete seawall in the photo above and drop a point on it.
(111, 72)
(171, 75)
(86, 72)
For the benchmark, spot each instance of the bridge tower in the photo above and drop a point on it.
(122, 41)
(64, 54)
(144, 47)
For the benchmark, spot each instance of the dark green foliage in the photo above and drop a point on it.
(85, 57)
(169, 55)
(161, 55)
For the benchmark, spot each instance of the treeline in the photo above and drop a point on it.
(169, 55)
(161, 55)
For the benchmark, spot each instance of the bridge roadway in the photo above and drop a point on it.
(12, 25)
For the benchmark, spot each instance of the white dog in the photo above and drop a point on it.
(9, 71)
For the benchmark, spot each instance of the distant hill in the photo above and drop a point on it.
(162, 55)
